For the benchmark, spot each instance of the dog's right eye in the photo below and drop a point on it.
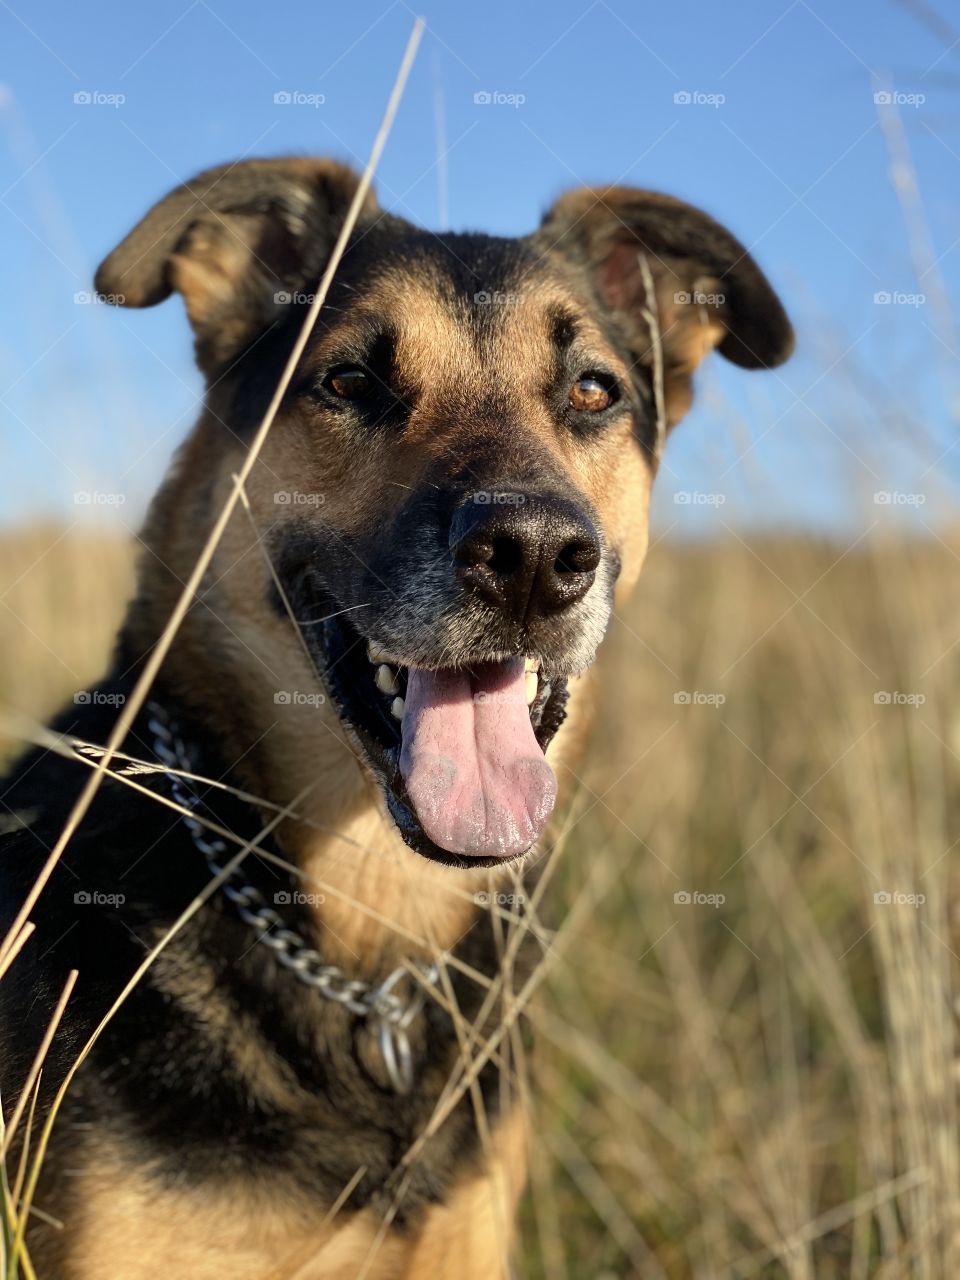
(348, 383)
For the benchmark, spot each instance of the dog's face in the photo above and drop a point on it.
(466, 448)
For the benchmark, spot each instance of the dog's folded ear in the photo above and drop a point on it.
(237, 241)
(708, 290)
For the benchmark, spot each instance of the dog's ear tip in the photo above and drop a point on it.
(105, 281)
(783, 346)
(114, 283)
(770, 344)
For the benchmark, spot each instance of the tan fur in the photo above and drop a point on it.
(259, 1233)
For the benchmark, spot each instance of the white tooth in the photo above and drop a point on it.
(375, 653)
(396, 708)
(386, 681)
(531, 682)
(531, 664)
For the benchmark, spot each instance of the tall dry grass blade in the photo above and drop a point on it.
(23, 1162)
(16, 947)
(651, 314)
(33, 1075)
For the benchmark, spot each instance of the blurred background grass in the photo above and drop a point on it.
(760, 1080)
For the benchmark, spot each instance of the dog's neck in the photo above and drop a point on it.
(380, 898)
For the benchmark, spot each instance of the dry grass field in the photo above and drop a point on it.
(747, 1045)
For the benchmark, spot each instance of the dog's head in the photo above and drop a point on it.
(458, 478)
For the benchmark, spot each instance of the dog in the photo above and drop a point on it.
(354, 743)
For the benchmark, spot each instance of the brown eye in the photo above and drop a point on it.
(589, 395)
(349, 384)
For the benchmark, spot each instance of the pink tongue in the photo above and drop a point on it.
(473, 768)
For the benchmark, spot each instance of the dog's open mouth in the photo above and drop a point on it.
(459, 753)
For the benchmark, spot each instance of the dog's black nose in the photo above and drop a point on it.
(528, 554)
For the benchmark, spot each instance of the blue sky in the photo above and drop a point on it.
(782, 141)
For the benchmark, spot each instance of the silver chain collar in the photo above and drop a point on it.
(380, 1005)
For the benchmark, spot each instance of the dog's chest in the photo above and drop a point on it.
(255, 1229)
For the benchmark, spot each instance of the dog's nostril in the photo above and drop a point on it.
(578, 557)
(506, 556)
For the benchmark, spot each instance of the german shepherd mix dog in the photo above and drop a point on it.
(375, 686)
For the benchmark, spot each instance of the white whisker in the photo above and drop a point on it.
(315, 622)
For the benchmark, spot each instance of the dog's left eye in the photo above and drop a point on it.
(591, 395)
(349, 383)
